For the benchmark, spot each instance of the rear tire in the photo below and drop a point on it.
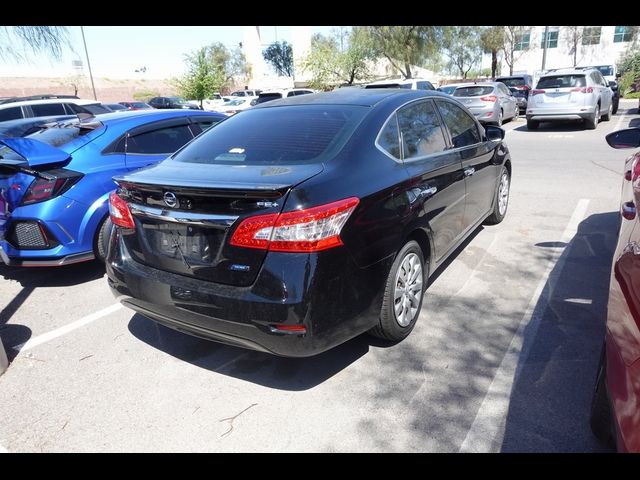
(532, 124)
(600, 417)
(607, 116)
(516, 114)
(500, 118)
(616, 104)
(102, 239)
(592, 122)
(403, 294)
(501, 201)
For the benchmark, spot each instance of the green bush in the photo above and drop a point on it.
(145, 95)
(632, 95)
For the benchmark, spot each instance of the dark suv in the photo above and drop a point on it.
(303, 222)
(171, 102)
(520, 86)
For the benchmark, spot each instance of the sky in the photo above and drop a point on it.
(117, 52)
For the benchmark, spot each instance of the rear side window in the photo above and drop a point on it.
(276, 136)
(420, 130)
(462, 127)
(267, 97)
(472, 91)
(166, 140)
(12, 113)
(47, 109)
(562, 81)
(388, 138)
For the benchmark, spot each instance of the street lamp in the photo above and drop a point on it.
(93, 87)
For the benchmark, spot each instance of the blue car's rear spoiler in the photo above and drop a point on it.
(34, 152)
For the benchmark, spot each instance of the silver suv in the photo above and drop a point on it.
(570, 94)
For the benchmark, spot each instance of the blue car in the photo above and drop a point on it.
(55, 183)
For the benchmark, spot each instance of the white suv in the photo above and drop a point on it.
(409, 84)
(277, 94)
(46, 105)
(570, 94)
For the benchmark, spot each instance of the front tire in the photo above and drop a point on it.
(501, 201)
(403, 294)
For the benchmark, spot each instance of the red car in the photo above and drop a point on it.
(615, 408)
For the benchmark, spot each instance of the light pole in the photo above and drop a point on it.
(88, 64)
(544, 50)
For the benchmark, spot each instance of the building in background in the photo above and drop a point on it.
(592, 45)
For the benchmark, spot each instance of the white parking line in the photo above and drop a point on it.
(491, 415)
(40, 339)
(621, 118)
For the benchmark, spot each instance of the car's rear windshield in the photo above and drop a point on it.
(276, 136)
(139, 105)
(389, 85)
(562, 81)
(474, 91)
(267, 97)
(512, 82)
(96, 109)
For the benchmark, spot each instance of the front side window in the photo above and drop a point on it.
(591, 35)
(622, 34)
(420, 130)
(165, 140)
(388, 139)
(276, 136)
(552, 41)
(462, 127)
(521, 41)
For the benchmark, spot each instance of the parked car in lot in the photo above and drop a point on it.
(54, 183)
(277, 94)
(520, 86)
(237, 105)
(570, 94)
(490, 102)
(615, 408)
(611, 75)
(115, 107)
(25, 126)
(409, 83)
(136, 105)
(47, 105)
(301, 223)
(246, 93)
(172, 102)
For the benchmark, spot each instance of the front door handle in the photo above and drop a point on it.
(469, 171)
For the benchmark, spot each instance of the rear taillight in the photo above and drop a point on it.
(537, 92)
(634, 173)
(42, 189)
(583, 89)
(489, 98)
(523, 87)
(119, 212)
(310, 230)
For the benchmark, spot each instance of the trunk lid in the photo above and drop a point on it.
(185, 215)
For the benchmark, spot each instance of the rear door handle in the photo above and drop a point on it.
(469, 171)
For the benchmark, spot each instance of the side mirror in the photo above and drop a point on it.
(613, 85)
(627, 138)
(494, 134)
(618, 75)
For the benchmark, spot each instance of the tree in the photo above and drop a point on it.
(462, 46)
(209, 69)
(629, 67)
(573, 36)
(492, 40)
(14, 41)
(405, 45)
(280, 56)
(513, 36)
(331, 64)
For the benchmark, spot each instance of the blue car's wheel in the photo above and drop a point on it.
(101, 241)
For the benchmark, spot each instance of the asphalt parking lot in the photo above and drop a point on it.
(503, 357)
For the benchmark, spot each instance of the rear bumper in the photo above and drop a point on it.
(560, 113)
(325, 292)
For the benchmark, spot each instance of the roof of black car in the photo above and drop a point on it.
(350, 96)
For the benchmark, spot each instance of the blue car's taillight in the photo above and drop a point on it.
(42, 189)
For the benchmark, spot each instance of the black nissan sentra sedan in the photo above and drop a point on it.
(301, 223)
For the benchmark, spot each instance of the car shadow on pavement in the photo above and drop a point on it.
(551, 396)
(37, 277)
(546, 127)
(293, 374)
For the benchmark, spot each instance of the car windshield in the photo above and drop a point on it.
(448, 89)
(512, 82)
(177, 100)
(474, 91)
(234, 103)
(606, 70)
(139, 105)
(276, 136)
(267, 97)
(562, 81)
